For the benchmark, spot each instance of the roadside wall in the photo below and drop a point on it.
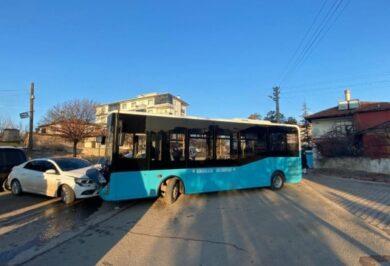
(381, 166)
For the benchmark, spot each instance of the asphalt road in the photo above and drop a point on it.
(295, 226)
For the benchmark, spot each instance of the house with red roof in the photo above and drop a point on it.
(364, 125)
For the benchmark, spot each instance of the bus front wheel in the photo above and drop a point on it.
(277, 181)
(171, 190)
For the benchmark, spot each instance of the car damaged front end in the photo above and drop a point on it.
(87, 182)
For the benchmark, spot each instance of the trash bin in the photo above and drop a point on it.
(309, 158)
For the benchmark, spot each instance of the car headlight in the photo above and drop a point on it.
(84, 181)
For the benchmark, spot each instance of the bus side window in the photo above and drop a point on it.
(277, 141)
(133, 146)
(226, 145)
(253, 142)
(248, 145)
(156, 146)
(177, 146)
(126, 147)
(292, 143)
(200, 145)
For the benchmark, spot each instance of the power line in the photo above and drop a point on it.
(339, 84)
(343, 78)
(320, 37)
(329, 89)
(319, 33)
(303, 39)
(325, 20)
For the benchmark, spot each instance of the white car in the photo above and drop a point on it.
(68, 178)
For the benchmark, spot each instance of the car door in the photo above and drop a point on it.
(29, 176)
(39, 180)
(50, 180)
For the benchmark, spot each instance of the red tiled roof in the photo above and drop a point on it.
(363, 107)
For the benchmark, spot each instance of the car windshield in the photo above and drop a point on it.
(69, 164)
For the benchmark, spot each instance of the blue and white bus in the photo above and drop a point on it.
(157, 155)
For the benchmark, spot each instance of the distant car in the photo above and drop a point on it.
(9, 157)
(68, 178)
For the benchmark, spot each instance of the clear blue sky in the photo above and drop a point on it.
(223, 57)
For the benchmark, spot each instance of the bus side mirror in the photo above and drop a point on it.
(101, 140)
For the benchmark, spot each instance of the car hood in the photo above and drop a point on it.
(89, 171)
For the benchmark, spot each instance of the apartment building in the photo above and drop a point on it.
(153, 103)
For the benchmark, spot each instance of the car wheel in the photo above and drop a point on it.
(16, 188)
(277, 181)
(172, 191)
(67, 194)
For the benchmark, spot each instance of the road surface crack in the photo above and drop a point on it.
(191, 239)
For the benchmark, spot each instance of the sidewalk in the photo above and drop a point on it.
(360, 175)
(368, 200)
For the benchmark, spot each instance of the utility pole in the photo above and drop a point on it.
(31, 115)
(276, 98)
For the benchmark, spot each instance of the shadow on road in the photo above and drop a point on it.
(247, 226)
(9, 202)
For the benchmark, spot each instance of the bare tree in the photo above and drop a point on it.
(306, 126)
(291, 120)
(255, 116)
(73, 121)
(273, 117)
(6, 122)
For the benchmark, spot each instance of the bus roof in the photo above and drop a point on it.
(232, 120)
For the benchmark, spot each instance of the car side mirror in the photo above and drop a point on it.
(51, 172)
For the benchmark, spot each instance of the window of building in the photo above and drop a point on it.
(150, 102)
(124, 106)
(177, 146)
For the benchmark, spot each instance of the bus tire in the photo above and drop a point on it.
(172, 190)
(277, 181)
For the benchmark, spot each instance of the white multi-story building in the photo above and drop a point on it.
(153, 103)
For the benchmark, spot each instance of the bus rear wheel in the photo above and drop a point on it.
(171, 190)
(277, 181)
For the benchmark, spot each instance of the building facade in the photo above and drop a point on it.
(353, 131)
(153, 103)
